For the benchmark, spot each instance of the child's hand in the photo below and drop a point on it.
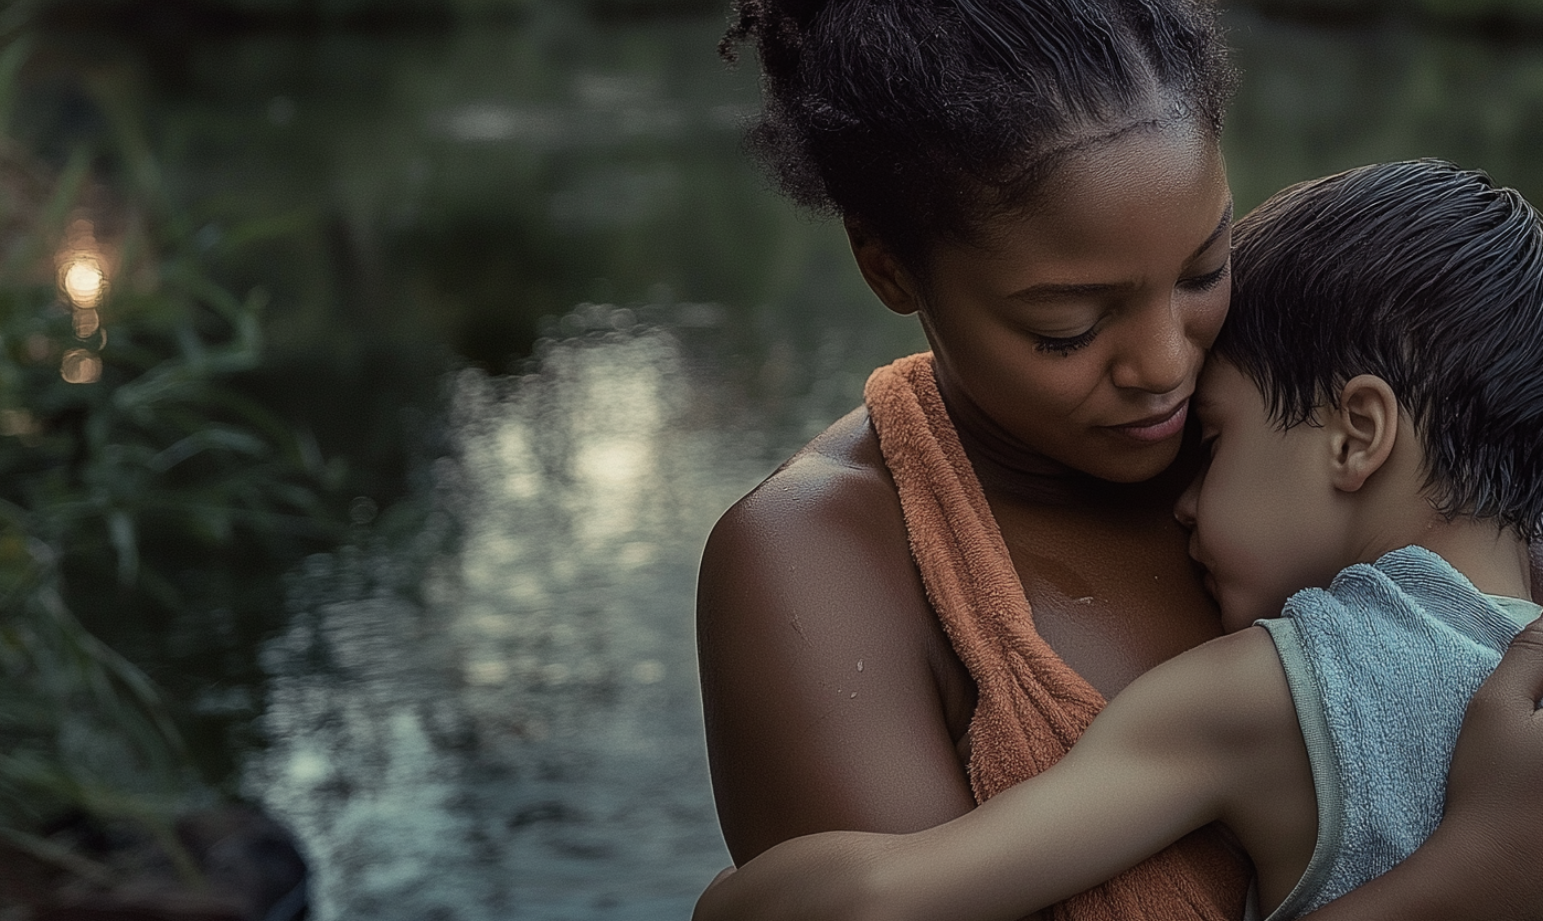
(1495, 787)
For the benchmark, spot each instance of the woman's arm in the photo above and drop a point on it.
(1485, 861)
(828, 686)
(1194, 740)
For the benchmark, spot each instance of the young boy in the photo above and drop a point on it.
(1373, 409)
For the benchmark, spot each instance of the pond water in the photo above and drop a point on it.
(512, 729)
(609, 331)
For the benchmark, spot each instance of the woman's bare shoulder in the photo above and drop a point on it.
(828, 691)
(838, 478)
(823, 537)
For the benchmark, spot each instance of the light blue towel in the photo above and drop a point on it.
(1381, 667)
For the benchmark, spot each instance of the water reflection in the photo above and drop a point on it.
(509, 725)
(494, 714)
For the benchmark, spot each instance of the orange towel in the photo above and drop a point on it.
(1032, 706)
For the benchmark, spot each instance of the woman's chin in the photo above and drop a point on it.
(1134, 463)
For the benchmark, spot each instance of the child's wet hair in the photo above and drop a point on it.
(923, 120)
(1430, 277)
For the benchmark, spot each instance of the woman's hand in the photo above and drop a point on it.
(1495, 786)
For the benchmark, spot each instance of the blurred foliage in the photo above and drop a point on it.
(1317, 100)
(409, 198)
(215, 15)
(127, 453)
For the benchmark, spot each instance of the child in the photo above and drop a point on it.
(1374, 405)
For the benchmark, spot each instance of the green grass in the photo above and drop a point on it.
(125, 446)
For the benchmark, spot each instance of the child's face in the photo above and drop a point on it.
(1266, 519)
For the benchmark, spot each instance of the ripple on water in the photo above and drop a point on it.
(505, 722)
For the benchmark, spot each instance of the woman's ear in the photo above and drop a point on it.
(1361, 431)
(885, 275)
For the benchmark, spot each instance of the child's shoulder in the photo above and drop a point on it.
(1222, 708)
(1231, 693)
(1224, 711)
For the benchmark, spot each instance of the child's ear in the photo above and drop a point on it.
(1361, 430)
(883, 272)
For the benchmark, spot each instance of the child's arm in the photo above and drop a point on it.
(1184, 745)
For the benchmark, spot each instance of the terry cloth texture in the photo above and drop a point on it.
(1381, 666)
(1032, 706)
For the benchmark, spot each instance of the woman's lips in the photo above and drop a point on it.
(1156, 428)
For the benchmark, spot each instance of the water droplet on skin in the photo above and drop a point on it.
(854, 696)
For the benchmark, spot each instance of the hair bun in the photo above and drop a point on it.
(923, 119)
(803, 11)
(775, 27)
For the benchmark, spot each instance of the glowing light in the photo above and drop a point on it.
(83, 281)
(87, 322)
(39, 348)
(83, 269)
(81, 366)
(83, 266)
(18, 422)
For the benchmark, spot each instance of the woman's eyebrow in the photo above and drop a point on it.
(1221, 228)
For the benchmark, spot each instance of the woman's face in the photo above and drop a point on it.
(1078, 332)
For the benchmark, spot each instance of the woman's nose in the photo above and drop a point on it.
(1159, 356)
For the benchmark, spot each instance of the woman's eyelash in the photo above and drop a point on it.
(1067, 345)
(1208, 281)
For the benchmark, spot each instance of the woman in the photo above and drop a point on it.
(1041, 184)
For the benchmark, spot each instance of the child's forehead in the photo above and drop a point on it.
(1220, 381)
(1224, 393)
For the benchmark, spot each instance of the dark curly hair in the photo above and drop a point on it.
(1426, 275)
(921, 120)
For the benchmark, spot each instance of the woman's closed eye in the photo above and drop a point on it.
(1064, 345)
(1207, 281)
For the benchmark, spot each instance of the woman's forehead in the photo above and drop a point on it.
(1129, 210)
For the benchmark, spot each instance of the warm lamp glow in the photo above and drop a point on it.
(83, 266)
(81, 366)
(83, 281)
(87, 321)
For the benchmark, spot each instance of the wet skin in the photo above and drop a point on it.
(832, 698)
(811, 573)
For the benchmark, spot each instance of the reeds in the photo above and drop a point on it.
(122, 427)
